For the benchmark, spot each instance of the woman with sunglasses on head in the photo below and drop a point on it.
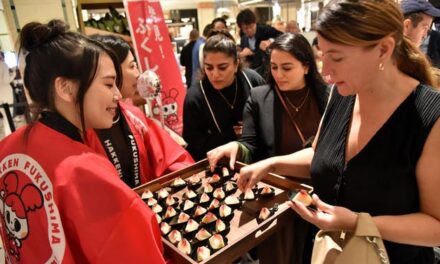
(278, 119)
(60, 201)
(214, 105)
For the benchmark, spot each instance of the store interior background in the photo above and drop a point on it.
(181, 17)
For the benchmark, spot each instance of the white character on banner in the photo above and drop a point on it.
(169, 107)
(149, 87)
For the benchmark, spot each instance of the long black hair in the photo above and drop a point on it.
(297, 45)
(119, 46)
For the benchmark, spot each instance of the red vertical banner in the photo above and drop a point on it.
(154, 52)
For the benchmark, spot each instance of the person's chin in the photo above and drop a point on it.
(218, 86)
(343, 89)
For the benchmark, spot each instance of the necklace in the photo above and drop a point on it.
(235, 97)
(297, 108)
(117, 119)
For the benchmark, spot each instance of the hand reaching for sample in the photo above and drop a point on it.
(246, 52)
(327, 217)
(264, 44)
(229, 150)
(251, 174)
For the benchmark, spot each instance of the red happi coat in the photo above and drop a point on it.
(159, 154)
(62, 203)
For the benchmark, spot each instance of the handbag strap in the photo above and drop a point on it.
(209, 106)
(292, 120)
(365, 227)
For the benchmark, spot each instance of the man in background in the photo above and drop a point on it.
(186, 56)
(255, 39)
(418, 18)
(292, 27)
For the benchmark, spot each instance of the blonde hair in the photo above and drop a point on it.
(364, 23)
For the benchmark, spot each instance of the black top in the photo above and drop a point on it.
(199, 129)
(259, 59)
(59, 123)
(381, 178)
(121, 149)
(262, 120)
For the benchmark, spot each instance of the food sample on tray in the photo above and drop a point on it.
(147, 194)
(191, 226)
(175, 236)
(264, 213)
(151, 202)
(225, 172)
(216, 241)
(206, 188)
(230, 186)
(188, 205)
(267, 191)
(199, 211)
(204, 198)
(209, 218)
(214, 204)
(225, 211)
(189, 195)
(220, 226)
(182, 218)
(158, 218)
(165, 228)
(157, 208)
(178, 182)
(219, 193)
(184, 246)
(170, 212)
(203, 253)
(249, 195)
(162, 194)
(203, 234)
(170, 200)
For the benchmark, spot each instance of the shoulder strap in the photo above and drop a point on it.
(292, 120)
(210, 108)
(247, 79)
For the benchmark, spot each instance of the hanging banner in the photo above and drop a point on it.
(154, 52)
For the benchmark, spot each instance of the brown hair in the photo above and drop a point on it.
(223, 42)
(364, 23)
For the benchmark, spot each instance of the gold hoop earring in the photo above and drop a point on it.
(381, 66)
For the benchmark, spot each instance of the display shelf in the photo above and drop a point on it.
(94, 4)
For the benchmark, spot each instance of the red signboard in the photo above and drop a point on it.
(154, 52)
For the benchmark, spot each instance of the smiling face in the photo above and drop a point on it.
(287, 71)
(352, 69)
(220, 69)
(130, 73)
(100, 100)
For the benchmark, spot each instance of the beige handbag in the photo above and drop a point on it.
(365, 245)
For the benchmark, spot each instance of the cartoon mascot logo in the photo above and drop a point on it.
(169, 107)
(16, 204)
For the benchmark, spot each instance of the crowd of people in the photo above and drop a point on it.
(363, 131)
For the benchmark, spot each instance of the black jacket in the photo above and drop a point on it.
(186, 61)
(262, 120)
(259, 60)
